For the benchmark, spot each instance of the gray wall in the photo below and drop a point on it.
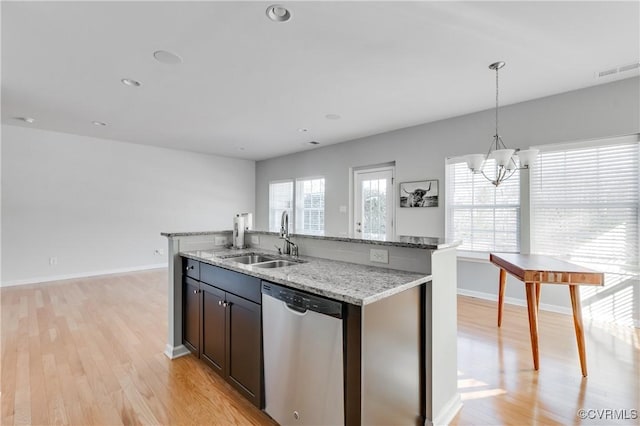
(419, 152)
(99, 205)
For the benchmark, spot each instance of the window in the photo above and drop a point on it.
(280, 199)
(306, 211)
(485, 217)
(584, 203)
(310, 206)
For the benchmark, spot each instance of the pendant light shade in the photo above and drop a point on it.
(527, 157)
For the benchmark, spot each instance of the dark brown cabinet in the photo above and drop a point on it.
(223, 325)
(244, 349)
(214, 314)
(191, 314)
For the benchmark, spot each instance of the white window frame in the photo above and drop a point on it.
(298, 208)
(293, 196)
(481, 255)
(591, 143)
(294, 204)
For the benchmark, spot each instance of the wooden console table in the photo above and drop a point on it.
(535, 270)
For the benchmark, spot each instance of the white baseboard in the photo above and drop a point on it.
(448, 412)
(173, 352)
(37, 280)
(514, 301)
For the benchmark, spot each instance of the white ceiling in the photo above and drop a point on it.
(247, 84)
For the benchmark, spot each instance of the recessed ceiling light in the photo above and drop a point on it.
(130, 82)
(332, 117)
(98, 123)
(241, 148)
(167, 57)
(303, 130)
(313, 143)
(278, 13)
(29, 120)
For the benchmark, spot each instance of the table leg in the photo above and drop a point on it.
(503, 285)
(538, 287)
(533, 321)
(577, 322)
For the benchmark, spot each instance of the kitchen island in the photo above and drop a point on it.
(400, 322)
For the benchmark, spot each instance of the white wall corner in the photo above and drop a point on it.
(173, 352)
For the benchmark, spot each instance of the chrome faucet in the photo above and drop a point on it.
(284, 225)
(289, 246)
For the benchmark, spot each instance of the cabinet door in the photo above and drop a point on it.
(244, 327)
(191, 315)
(213, 327)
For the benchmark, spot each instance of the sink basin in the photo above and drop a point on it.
(276, 264)
(250, 259)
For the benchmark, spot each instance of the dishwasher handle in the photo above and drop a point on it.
(297, 310)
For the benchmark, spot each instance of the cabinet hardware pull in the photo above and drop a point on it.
(195, 291)
(226, 304)
(219, 302)
(189, 267)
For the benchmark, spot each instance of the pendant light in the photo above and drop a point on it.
(506, 160)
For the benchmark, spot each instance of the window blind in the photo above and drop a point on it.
(280, 199)
(485, 217)
(310, 206)
(584, 203)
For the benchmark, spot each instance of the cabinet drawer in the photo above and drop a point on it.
(191, 268)
(234, 282)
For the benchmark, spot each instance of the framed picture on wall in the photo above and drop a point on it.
(422, 193)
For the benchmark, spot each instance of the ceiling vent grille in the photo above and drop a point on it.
(617, 70)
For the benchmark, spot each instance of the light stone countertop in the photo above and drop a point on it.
(429, 243)
(194, 233)
(346, 282)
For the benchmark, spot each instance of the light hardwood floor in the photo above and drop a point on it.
(89, 351)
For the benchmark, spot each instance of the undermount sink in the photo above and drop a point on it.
(276, 264)
(250, 259)
(262, 261)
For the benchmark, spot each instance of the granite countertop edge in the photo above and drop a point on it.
(195, 233)
(413, 279)
(429, 243)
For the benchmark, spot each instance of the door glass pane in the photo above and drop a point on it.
(374, 209)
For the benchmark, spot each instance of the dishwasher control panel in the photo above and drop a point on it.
(301, 301)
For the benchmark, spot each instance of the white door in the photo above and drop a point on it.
(373, 204)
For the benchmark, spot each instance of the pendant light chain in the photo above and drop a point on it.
(497, 107)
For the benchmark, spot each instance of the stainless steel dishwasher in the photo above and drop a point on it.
(303, 369)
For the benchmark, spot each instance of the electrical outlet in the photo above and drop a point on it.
(380, 256)
(53, 261)
(255, 240)
(219, 241)
(158, 252)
